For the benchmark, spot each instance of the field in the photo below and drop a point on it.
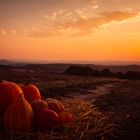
(103, 108)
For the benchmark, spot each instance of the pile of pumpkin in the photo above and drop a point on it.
(22, 109)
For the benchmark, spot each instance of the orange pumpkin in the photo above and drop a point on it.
(47, 120)
(65, 117)
(31, 92)
(15, 86)
(19, 116)
(55, 105)
(9, 92)
(38, 106)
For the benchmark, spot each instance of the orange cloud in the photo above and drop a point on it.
(13, 32)
(8, 32)
(3, 32)
(81, 26)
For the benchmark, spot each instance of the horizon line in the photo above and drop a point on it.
(97, 62)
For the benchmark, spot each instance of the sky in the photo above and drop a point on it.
(66, 30)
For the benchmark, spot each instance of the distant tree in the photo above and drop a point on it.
(132, 75)
(96, 73)
(87, 71)
(120, 75)
(79, 70)
(106, 73)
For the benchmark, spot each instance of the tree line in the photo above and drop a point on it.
(79, 70)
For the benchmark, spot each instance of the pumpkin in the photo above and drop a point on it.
(16, 87)
(38, 106)
(65, 117)
(31, 92)
(9, 92)
(47, 120)
(55, 105)
(18, 116)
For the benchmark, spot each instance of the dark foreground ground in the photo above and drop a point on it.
(100, 112)
(123, 103)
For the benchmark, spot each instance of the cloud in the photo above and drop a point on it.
(8, 32)
(118, 16)
(33, 28)
(51, 17)
(60, 11)
(3, 32)
(13, 32)
(78, 11)
(82, 25)
(94, 7)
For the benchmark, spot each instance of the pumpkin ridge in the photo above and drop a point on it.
(9, 91)
(21, 103)
(21, 116)
(26, 112)
(11, 118)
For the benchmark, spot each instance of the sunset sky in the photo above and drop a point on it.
(67, 30)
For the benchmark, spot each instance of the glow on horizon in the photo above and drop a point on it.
(82, 30)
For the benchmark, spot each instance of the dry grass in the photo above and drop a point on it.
(87, 124)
